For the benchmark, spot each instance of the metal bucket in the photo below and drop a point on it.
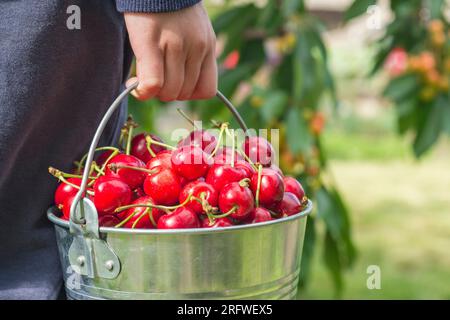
(257, 261)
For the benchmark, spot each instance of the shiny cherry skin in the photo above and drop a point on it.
(272, 187)
(181, 218)
(220, 175)
(65, 207)
(198, 189)
(289, 206)
(162, 159)
(235, 195)
(108, 220)
(246, 167)
(292, 185)
(64, 190)
(259, 150)
(190, 162)
(133, 178)
(164, 186)
(139, 147)
(145, 222)
(260, 214)
(200, 138)
(224, 155)
(218, 223)
(110, 193)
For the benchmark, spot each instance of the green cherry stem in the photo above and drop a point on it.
(83, 159)
(242, 153)
(149, 205)
(58, 174)
(124, 221)
(223, 127)
(150, 141)
(129, 136)
(114, 167)
(258, 188)
(140, 218)
(187, 118)
(112, 155)
(54, 172)
(226, 214)
(152, 220)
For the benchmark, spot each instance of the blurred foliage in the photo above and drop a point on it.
(274, 66)
(415, 50)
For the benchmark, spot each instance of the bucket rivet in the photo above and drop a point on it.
(109, 265)
(81, 260)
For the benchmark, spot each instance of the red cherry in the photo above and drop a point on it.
(139, 147)
(233, 195)
(289, 206)
(224, 155)
(190, 162)
(259, 215)
(101, 159)
(218, 223)
(259, 150)
(246, 167)
(133, 178)
(64, 190)
(164, 186)
(136, 212)
(108, 220)
(220, 175)
(65, 207)
(271, 189)
(162, 159)
(110, 193)
(197, 189)
(292, 185)
(181, 218)
(200, 138)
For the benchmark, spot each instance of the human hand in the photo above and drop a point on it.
(175, 54)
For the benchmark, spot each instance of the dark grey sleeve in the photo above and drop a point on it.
(153, 5)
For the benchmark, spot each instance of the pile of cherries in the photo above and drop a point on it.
(198, 184)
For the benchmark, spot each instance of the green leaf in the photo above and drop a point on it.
(430, 128)
(402, 87)
(333, 261)
(274, 105)
(298, 135)
(357, 8)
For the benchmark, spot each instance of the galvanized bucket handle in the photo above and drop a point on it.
(78, 216)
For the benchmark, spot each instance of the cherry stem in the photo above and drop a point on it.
(258, 188)
(149, 149)
(112, 155)
(140, 218)
(152, 220)
(188, 119)
(130, 135)
(233, 209)
(223, 127)
(207, 208)
(124, 221)
(83, 159)
(233, 144)
(149, 205)
(54, 172)
(59, 175)
(244, 182)
(114, 167)
(242, 153)
(150, 141)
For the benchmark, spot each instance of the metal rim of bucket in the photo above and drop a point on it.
(63, 223)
